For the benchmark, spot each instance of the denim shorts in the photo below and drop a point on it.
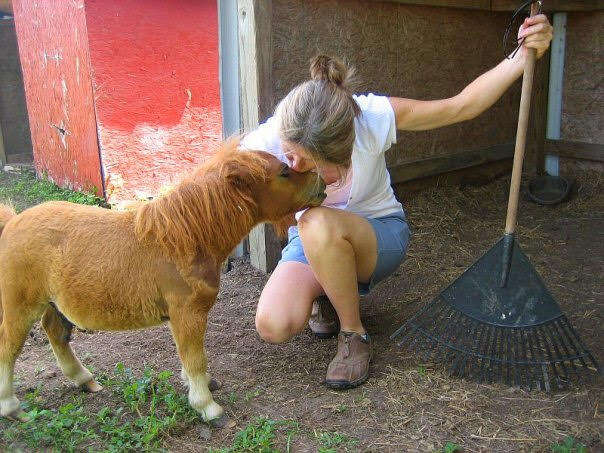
(392, 233)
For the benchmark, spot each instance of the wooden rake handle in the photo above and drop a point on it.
(523, 119)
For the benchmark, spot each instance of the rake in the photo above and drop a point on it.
(498, 321)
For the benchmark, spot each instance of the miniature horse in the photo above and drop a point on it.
(107, 270)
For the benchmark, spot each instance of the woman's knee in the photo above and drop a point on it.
(274, 329)
(317, 226)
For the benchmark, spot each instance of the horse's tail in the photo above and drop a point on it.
(6, 213)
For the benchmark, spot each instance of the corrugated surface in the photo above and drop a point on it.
(56, 75)
(401, 50)
(155, 69)
(583, 91)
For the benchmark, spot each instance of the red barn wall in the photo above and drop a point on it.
(58, 91)
(155, 78)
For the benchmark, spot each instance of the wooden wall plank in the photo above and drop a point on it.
(551, 5)
(433, 166)
(255, 65)
(575, 150)
(464, 4)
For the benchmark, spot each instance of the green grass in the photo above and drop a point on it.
(261, 435)
(24, 189)
(569, 445)
(450, 447)
(149, 408)
(331, 442)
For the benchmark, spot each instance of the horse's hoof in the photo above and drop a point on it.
(222, 422)
(214, 385)
(91, 386)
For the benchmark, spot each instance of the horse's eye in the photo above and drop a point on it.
(284, 171)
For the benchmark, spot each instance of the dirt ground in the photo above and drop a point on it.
(407, 404)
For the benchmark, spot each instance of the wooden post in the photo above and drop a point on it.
(255, 64)
(2, 152)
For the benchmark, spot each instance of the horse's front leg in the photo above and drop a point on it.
(188, 322)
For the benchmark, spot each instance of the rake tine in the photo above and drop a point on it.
(432, 324)
(533, 363)
(438, 345)
(558, 328)
(499, 378)
(453, 341)
(586, 351)
(551, 360)
(473, 364)
(452, 333)
(432, 319)
(552, 337)
(516, 346)
(542, 363)
(488, 353)
(398, 331)
(455, 370)
(510, 360)
(526, 373)
(491, 356)
(456, 366)
(569, 338)
(413, 331)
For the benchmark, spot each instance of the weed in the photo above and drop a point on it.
(150, 409)
(260, 436)
(450, 447)
(30, 190)
(421, 370)
(328, 441)
(251, 395)
(569, 445)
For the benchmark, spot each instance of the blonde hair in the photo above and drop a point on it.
(319, 114)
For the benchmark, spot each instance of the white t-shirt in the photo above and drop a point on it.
(371, 194)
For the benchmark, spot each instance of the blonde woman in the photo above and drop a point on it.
(359, 235)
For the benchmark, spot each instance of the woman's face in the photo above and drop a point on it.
(299, 158)
(301, 161)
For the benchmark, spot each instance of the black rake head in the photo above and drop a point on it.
(514, 334)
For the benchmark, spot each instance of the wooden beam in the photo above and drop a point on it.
(551, 5)
(433, 166)
(575, 150)
(464, 4)
(255, 65)
(506, 5)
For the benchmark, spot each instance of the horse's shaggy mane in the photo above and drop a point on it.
(211, 210)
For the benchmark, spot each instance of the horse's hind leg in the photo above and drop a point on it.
(16, 324)
(58, 329)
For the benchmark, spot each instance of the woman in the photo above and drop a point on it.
(359, 236)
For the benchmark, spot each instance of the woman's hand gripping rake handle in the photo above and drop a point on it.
(523, 118)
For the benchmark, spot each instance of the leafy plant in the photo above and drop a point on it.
(260, 436)
(328, 441)
(569, 445)
(150, 409)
